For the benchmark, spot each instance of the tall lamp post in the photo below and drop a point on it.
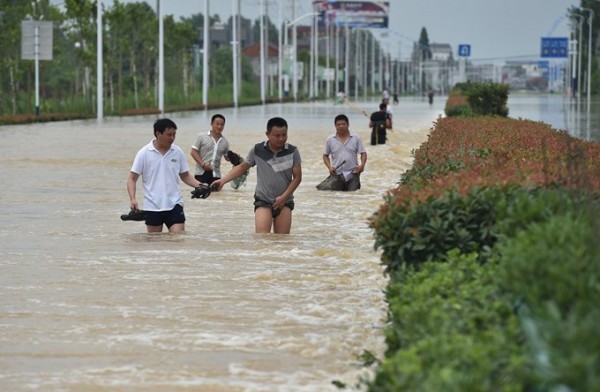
(235, 47)
(589, 70)
(161, 57)
(295, 44)
(206, 46)
(100, 63)
(579, 28)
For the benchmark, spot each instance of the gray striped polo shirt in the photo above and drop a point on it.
(273, 171)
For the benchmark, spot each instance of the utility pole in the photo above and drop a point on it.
(99, 61)
(161, 63)
(235, 44)
(262, 51)
(206, 45)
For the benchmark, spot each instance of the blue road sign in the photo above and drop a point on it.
(555, 47)
(464, 50)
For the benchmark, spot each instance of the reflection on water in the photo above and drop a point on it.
(91, 303)
(569, 114)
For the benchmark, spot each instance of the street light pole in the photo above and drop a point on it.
(262, 51)
(295, 45)
(279, 55)
(100, 63)
(589, 70)
(579, 27)
(161, 62)
(206, 45)
(234, 44)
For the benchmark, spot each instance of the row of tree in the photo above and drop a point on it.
(130, 40)
(588, 10)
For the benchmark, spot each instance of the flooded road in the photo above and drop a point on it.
(561, 112)
(91, 303)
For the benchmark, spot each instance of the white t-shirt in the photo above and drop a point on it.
(160, 176)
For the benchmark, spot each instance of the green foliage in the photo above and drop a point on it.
(68, 82)
(488, 99)
(479, 99)
(452, 329)
(459, 110)
(559, 253)
(552, 268)
(523, 207)
(412, 234)
(519, 202)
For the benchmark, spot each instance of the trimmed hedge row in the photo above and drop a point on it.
(477, 99)
(490, 246)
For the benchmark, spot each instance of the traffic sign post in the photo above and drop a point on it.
(36, 44)
(464, 50)
(555, 47)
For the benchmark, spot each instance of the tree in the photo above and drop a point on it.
(11, 67)
(179, 39)
(424, 48)
(81, 15)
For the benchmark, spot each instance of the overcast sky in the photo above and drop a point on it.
(495, 29)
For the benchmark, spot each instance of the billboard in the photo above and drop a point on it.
(353, 13)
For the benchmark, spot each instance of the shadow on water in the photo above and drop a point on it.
(569, 114)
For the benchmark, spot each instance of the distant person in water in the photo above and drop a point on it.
(340, 156)
(379, 122)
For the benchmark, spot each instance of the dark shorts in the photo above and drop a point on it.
(207, 177)
(168, 218)
(261, 203)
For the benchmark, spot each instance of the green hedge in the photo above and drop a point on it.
(478, 99)
(452, 329)
(515, 310)
(491, 247)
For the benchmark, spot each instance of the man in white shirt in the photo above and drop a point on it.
(161, 164)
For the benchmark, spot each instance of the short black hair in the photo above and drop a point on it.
(382, 106)
(276, 122)
(212, 119)
(162, 124)
(341, 117)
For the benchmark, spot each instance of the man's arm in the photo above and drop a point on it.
(234, 173)
(198, 159)
(131, 189)
(327, 163)
(188, 179)
(296, 179)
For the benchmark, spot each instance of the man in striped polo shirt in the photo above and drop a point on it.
(278, 172)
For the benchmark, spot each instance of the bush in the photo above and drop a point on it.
(481, 99)
(488, 99)
(412, 234)
(491, 248)
(457, 105)
(453, 329)
(552, 268)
